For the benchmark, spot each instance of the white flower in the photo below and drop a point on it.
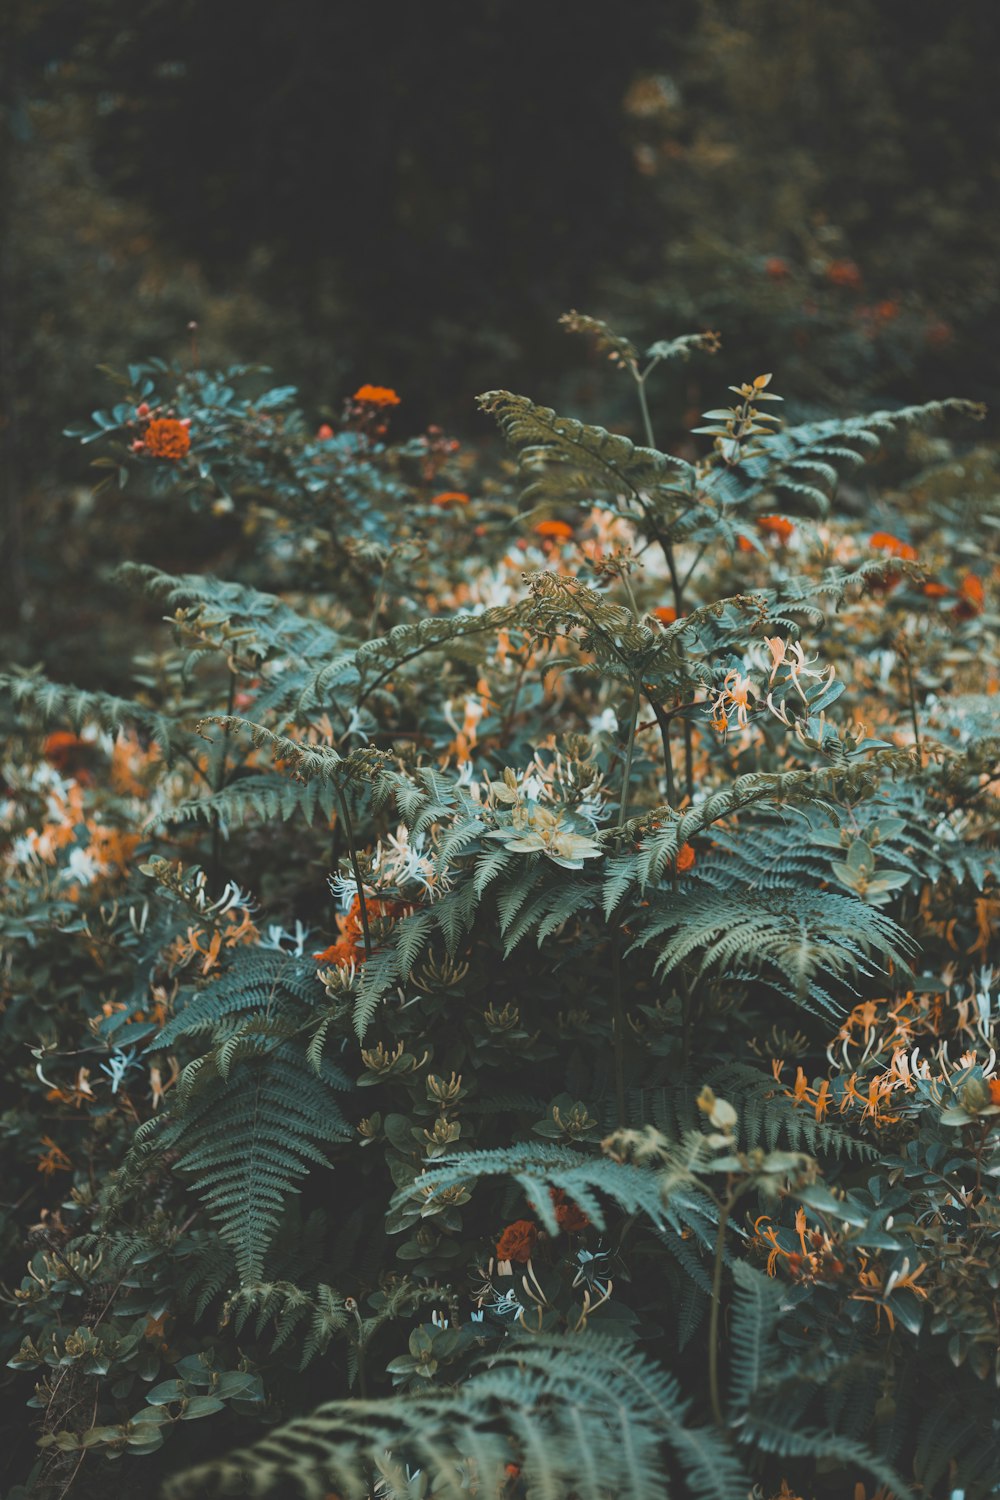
(81, 868)
(605, 723)
(280, 941)
(538, 830)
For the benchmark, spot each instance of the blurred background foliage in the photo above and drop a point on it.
(413, 195)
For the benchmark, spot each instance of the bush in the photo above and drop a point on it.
(517, 970)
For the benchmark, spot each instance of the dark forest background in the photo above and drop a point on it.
(412, 194)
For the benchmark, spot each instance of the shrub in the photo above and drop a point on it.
(517, 970)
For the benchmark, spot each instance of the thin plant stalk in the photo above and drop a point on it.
(345, 813)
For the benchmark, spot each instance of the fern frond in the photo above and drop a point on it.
(578, 1415)
(248, 1140)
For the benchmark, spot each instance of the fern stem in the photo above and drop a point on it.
(359, 882)
(618, 1023)
(220, 778)
(629, 754)
(640, 385)
(713, 1324)
(911, 694)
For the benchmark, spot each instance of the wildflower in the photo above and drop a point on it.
(54, 1160)
(556, 530)
(884, 541)
(776, 268)
(685, 859)
(733, 699)
(81, 868)
(934, 590)
(375, 395)
(793, 658)
(324, 433)
(844, 273)
(568, 1216)
(994, 1087)
(665, 613)
(517, 1241)
(778, 526)
(541, 831)
(450, 497)
(165, 437)
(971, 598)
(77, 1093)
(62, 748)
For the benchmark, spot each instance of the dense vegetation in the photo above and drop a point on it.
(504, 1003)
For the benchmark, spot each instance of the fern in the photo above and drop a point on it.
(52, 703)
(787, 940)
(578, 1415)
(562, 459)
(248, 1140)
(665, 1199)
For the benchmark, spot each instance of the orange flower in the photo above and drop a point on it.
(375, 395)
(843, 273)
(887, 311)
(745, 544)
(517, 1241)
(971, 597)
(558, 530)
(665, 613)
(994, 1084)
(54, 1160)
(776, 268)
(778, 526)
(934, 590)
(65, 751)
(350, 946)
(685, 858)
(324, 433)
(568, 1216)
(165, 437)
(884, 541)
(450, 497)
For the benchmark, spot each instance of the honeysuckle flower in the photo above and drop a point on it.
(733, 701)
(81, 868)
(539, 830)
(117, 1065)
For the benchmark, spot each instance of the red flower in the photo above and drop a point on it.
(450, 497)
(778, 526)
(685, 858)
(165, 437)
(375, 395)
(843, 273)
(971, 597)
(934, 590)
(324, 433)
(568, 1216)
(557, 530)
(939, 334)
(884, 541)
(350, 946)
(517, 1241)
(665, 613)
